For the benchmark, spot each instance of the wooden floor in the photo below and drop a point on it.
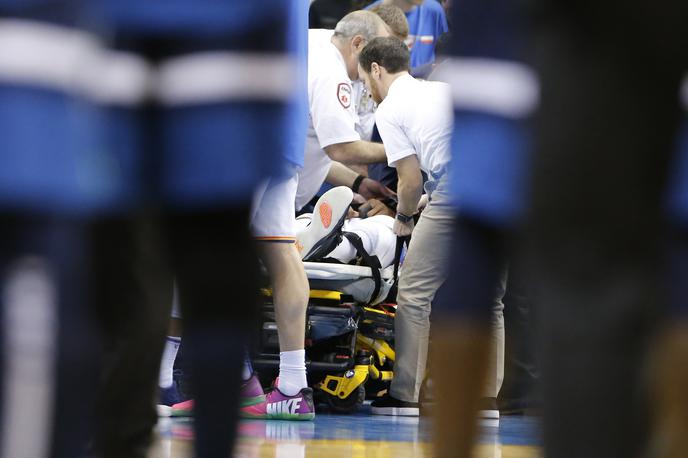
(360, 435)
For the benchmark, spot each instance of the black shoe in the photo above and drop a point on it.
(388, 405)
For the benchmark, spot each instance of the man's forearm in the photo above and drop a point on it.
(340, 175)
(358, 152)
(408, 194)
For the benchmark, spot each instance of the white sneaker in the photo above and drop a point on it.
(488, 415)
(320, 237)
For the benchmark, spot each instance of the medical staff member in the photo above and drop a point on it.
(332, 138)
(395, 19)
(415, 122)
(427, 22)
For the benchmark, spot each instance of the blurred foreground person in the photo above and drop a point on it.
(494, 92)
(186, 92)
(200, 85)
(597, 228)
(52, 179)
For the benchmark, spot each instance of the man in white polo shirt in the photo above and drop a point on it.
(415, 120)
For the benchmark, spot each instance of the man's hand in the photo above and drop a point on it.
(375, 207)
(423, 202)
(370, 189)
(352, 214)
(403, 229)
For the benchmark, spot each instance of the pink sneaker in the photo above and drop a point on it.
(279, 406)
(251, 394)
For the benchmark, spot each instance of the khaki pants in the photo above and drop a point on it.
(423, 272)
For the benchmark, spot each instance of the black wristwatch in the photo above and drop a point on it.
(357, 183)
(404, 218)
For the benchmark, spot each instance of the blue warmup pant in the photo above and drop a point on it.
(476, 264)
(50, 343)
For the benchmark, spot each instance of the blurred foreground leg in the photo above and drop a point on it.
(462, 337)
(216, 267)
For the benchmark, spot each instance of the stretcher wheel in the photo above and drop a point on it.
(348, 405)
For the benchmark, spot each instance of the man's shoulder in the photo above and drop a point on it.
(319, 41)
(382, 111)
(393, 106)
(323, 60)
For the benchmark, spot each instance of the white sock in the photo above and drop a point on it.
(292, 372)
(247, 370)
(167, 363)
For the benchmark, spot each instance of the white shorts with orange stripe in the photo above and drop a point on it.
(272, 214)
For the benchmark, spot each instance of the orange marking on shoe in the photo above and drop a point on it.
(326, 214)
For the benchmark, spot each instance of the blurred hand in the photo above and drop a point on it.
(375, 207)
(403, 229)
(358, 199)
(370, 189)
(352, 214)
(423, 202)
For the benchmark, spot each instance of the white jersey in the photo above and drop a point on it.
(332, 110)
(417, 118)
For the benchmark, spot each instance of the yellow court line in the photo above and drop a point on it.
(262, 448)
(344, 448)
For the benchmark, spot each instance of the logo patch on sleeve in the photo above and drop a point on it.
(344, 94)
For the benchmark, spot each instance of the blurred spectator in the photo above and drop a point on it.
(395, 19)
(427, 22)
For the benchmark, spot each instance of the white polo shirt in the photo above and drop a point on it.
(332, 107)
(416, 117)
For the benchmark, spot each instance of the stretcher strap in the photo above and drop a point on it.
(371, 261)
(397, 254)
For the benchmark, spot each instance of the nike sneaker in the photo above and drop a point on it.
(251, 394)
(279, 406)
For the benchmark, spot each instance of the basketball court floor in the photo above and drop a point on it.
(359, 435)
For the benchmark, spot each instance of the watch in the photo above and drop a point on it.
(404, 218)
(357, 183)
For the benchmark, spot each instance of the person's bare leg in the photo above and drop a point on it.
(174, 329)
(463, 335)
(458, 349)
(671, 397)
(290, 296)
